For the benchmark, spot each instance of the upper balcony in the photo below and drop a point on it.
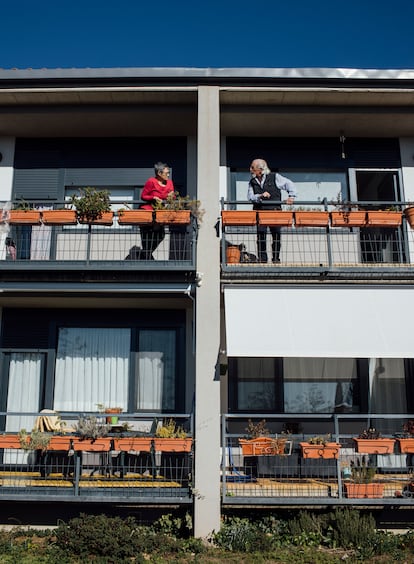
(314, 239)
(41, 240)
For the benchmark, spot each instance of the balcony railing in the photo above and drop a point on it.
(108, 244)
(336, 242)
(285, 470)
(124, 466)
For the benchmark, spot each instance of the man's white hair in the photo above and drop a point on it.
(262, 164)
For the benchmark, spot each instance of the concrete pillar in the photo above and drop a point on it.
(207, 385)
(407, 172)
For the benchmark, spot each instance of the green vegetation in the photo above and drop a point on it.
(306, 537)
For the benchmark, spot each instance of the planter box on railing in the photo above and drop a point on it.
(375, 446)
(275, 218)
(406, 445)
(329, 450)
(171, 217)
(140, 444)
(262, 446)
(135, 217)
(238, 217)
(60, 442)
(172, 444)
(59, 217)
(107, 218)
(90, 445)
(364, 490)
(384, 218)
(352, 218)
(22, 217)
(10, 441)
(311, 218)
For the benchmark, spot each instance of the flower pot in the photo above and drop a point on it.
(10, 441)
(329, 450)
(275, 218)
(89, 445)
(364, 490)
(58, 442)
(375, 446)
(113, 419)
(232, 254)
(59, 217)
(409, 215)
(351, 218)
(238, 217)
(172, 444)
(21, 217)
(107, 218)
(140, 444)
(383, 218)
(311, 218)
(406, 445)
(169, 217)
(262, 446)
(135, 217)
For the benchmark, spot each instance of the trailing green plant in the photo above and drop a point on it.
(259, 429)
(170, 430)
(90, 203)
(35, 440)
(362, 472)
(90, 427)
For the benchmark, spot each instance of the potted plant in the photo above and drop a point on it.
(91, 435)
(409, 215)
(384, 218)
(113, 419)
(406, 442)
(238, 217)
(170, 437)
(36, 440)
(258, 441)
(127, 216)
(93, 206)
(23, 214)
(348, 215)
(311, 218)
(362, 484)
(177, 209)
(319, 447)
(371, 442)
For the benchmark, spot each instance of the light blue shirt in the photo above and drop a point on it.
(282, 183)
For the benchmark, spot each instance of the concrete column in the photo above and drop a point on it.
(407, 172)
(207, 385)
(6, 167)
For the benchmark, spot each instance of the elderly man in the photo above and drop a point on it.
(265, 192)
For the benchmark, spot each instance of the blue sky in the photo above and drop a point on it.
(213, 33)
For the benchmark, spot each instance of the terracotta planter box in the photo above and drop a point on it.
(141, 444)
(348, 219)
(275, 218)
(311, 219)
(59, 217)
(238, 217)
(168, 217)
(98, 445)
(232, 254)
(9, 441)
(20, 217)
(409, 215)
(60, 443)
(406, 445)
(106, 219)
(375, 446)
(172, 445)
(262, 446)
(384, 218)
(330, 450)
(135, 217)
(364, 490)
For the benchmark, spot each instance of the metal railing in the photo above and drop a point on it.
(291, 475)
(329, 249)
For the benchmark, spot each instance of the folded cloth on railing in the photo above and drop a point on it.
(48, 422)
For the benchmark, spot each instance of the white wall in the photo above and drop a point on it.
(6, 167)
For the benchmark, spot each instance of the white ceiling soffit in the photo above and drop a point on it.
(361, 322)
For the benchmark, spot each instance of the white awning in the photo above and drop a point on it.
(356, 322)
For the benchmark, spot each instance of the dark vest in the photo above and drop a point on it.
(268, 186)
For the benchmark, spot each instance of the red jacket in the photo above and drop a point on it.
(154, 189)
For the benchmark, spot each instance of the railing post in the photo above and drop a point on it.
(328, 236)
(338, 460)
(223, 456)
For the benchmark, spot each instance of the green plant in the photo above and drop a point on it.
(89, 427)
(258, 429)
(170, 430)
(91, 203)
(370, 433)
(22, 205)
(36, 440)
(318, 440)
(408, 428)
(361, 471)
(175, 202)
(352, 529)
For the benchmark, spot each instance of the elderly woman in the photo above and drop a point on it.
(156, 189)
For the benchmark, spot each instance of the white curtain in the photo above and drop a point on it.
(23, 395)
(92, 367)
(156, 371)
